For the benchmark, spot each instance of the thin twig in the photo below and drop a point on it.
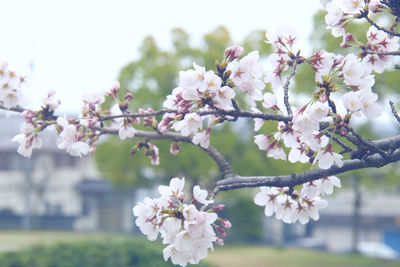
(379, 27)
(347, 148)
(394, 112)
(391, 53)
(223, 165)
(286, 89)
(15, 109)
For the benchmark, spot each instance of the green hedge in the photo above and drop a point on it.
(112, 253)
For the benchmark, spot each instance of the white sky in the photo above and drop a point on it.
(80, 46)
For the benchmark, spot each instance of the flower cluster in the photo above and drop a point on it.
(28, 139)
(380, 42)
(291, 206)
(35, 122)
(201, 91)
(11, 87)
(187, 231)
(71, 139)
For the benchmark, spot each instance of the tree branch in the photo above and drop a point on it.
(376, 161)
(223, 165)
(233, 113)
(15, 109)
(391, 53)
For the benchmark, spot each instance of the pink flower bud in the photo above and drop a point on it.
(114, 90)
(225, 223)
(219, 241)
(221, 231)
(181, 196)
(174, 148)
(375, 6)
(28, 115)
(233, 52)
(128, 97)
(349, 37)
(92, 148)
(345, 45)
(323, 98)
(218, 208)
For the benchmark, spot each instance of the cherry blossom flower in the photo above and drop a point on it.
(126, 131)
(281, 39)
(298, 153)
(50, 101)
(201, 195)
(70, 140)
(352, 101)
(270, 100)
(276, 152)
(317, 111)
(261, 141)
(368, 105)
(222, 97)
(189, 125)
(247, 73)
(357, 73)
(308, 208)
(175, 188)
(326, 158)
(258, 123)
(322, 62)
(334, 19)
(322, 186)
(352, 6)
(289, 207)
(27, 139)
(202, 138)
(380, 42)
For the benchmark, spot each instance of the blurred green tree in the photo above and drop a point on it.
(150, 79)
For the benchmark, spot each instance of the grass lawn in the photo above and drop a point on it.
(260, 256)
(15, 240)
(228, 256)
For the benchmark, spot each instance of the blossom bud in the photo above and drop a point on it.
(323, 98)
(180, 196)
(219, 241)
(114, 90)
(349, 37)
(345, 45)
(92, 148)
(221, 231)
(28, 115)
(375, 6)
(133, 150)
(174, 148)
(218, 208)
(225, 223)
(233, 52)
(128, 97)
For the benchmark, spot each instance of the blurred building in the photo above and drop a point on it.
(53, 190)
(377, 219)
